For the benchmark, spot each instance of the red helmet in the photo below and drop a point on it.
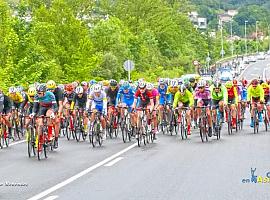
(255, 82)
(244, 82)
(69, 87)
(234, 82)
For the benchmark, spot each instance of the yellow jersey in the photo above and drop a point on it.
(16, 98)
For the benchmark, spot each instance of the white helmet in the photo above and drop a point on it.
(201, 83)
(79, 90)
(174, 83)
(142, 84)
(12, 90)
(149, 86)
(97, 88)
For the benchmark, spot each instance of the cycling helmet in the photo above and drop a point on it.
(244, 82)
(201, 83)
(84, 83)
(174, 83)
(12, 90)
(142, 85)
(261, 81)
(187, 85)
(51, 84)
(234, 82)
(217, 84)
(182, 88)
(92, 82)
(97, 88)
(79, 90)
(192, 80)
(161, 81)
(149, 86)
(229, 84)
(264, 85)
(141, 80)
(106, 83)
(255, 82)
(180, 81)
(61, 87)
(126, 85)
(20, 88)
(32, 91)
(69, 87)
(121, 82)
(41, 88)
(113, 82)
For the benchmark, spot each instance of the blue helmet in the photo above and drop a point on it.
(92, 82)
(126, 85)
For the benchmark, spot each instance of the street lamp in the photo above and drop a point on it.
(246, 36)
(257, 46)
(222, 45)
(232, 48)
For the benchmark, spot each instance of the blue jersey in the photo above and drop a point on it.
(48, 101)
(162, 95)
(244, 94)
(126, 98)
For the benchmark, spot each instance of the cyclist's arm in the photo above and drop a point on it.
(191, 98)
(261, 94)
(225, 94)
(249, 93)
(176, 99)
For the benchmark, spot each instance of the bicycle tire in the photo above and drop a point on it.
(31, 143)
(93, 135)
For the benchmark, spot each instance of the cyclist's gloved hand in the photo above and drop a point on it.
(32, 115)
(52, 116)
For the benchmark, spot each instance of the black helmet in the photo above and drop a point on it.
(217, 84)
(192, 80)
(113, 82)
(41, 88)
(182, 88)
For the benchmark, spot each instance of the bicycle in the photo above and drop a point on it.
(95, 134)
(79, 126)
(113, 123)
(218, 125)
(255, 119)
(69, 126)
(203, 123)
(125, 125)
(172, 123)
(31, 138)
(4, 135)
(229, 119)
(182, 121)
(265, 117)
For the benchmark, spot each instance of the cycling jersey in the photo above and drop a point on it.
(5, 104)
(111, 95)
(58, 95)
(69, 97)
(205, 95)
(244, 94)
(97, 102)
(170, 93)
(79, 102)
(126, 98)
(222, 95)
(255, 92)
(44, 103)
(144, 97)
(186, 98)
(155, 95)
(162, 95)
(16, 98)
(232, 94)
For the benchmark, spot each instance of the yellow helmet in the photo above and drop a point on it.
(51, 84)
(106, 83)
(265, 85)
(32, 91)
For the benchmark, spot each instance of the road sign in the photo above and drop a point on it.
(129, 65)
(196, 62)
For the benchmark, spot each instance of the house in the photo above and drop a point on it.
(198, 22)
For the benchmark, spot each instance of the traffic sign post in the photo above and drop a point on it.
(129, 66)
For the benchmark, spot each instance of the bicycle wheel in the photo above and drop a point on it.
(94, 139)
(256, 122)
(41, 149)
(139, 136)
(6, 138)
(31, 142)
(201, 130)
(229, 123)
(77, 128)
(266, 120)
(123, 129)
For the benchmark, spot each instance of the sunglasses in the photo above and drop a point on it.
(200, 87)
(80, 94)
(40, 93)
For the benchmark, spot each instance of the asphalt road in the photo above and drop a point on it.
(168, 169)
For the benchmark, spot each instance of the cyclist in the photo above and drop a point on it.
(150, 87)
(232, 100)
(79, 101)
(5, 109)
(266, 89)
(68, 97)
(97, 101)
(146, 101)
(59, 97)
(184, 98)
(193, 83)
(44, 105)
(171, 91)
(162, 90)
(111, 93)
(203, 98)
(219, 99)
(255, 95)
(16, 97)
(125, 97)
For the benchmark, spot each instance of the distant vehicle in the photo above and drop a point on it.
(226, 76)
(246, 60)
(252, 59)
(261, 56)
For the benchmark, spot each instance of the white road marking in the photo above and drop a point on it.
(113, 162)
(19, 142)
(82, 173)
(51, 197)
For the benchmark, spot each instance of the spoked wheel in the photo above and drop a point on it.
(93, 135)
(124, 130)
(266, 121)
(203, 131)
(77, 129)
(229, 124)
(31, 143)
(139, 136)
(41, 148)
